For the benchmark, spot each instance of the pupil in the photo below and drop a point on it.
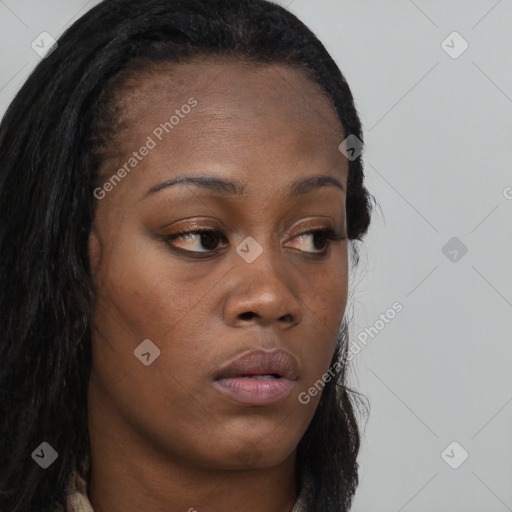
(322, 236)
(210, 240)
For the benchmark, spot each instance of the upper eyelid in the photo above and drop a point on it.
(330, 231)
(215, 230)
(194, 226)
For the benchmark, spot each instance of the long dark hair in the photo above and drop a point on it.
(50, 150)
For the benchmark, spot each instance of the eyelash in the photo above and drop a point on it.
(329, 234)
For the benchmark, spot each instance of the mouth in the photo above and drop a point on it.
(260, 364)
(265, 376)
(258, 377)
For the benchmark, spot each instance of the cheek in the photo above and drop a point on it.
(145, 294)
(324, 305)
(140, 298)
(142, 287)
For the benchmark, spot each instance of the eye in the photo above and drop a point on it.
(193, 241)
(203, 241)
(317, 241)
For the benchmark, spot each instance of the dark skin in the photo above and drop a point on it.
(162, 437)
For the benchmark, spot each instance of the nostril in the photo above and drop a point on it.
(247, 315)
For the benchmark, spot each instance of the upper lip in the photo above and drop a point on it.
(261, 362)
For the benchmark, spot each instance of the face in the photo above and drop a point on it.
(190, 276)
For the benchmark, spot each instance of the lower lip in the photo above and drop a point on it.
(249, 391)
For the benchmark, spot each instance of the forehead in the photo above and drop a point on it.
(245, 88)
(268, 118)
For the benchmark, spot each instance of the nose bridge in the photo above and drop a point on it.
(260, 256)
(262, 288)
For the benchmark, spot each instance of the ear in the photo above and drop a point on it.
(95, 249)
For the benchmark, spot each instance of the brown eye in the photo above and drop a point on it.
(195, 241)
(316, 241)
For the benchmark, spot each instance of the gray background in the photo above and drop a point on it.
(437, 132)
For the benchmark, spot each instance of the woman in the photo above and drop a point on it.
(177, 197)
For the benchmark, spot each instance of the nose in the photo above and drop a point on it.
(262, 294)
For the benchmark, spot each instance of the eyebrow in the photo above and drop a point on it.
(230, 187)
